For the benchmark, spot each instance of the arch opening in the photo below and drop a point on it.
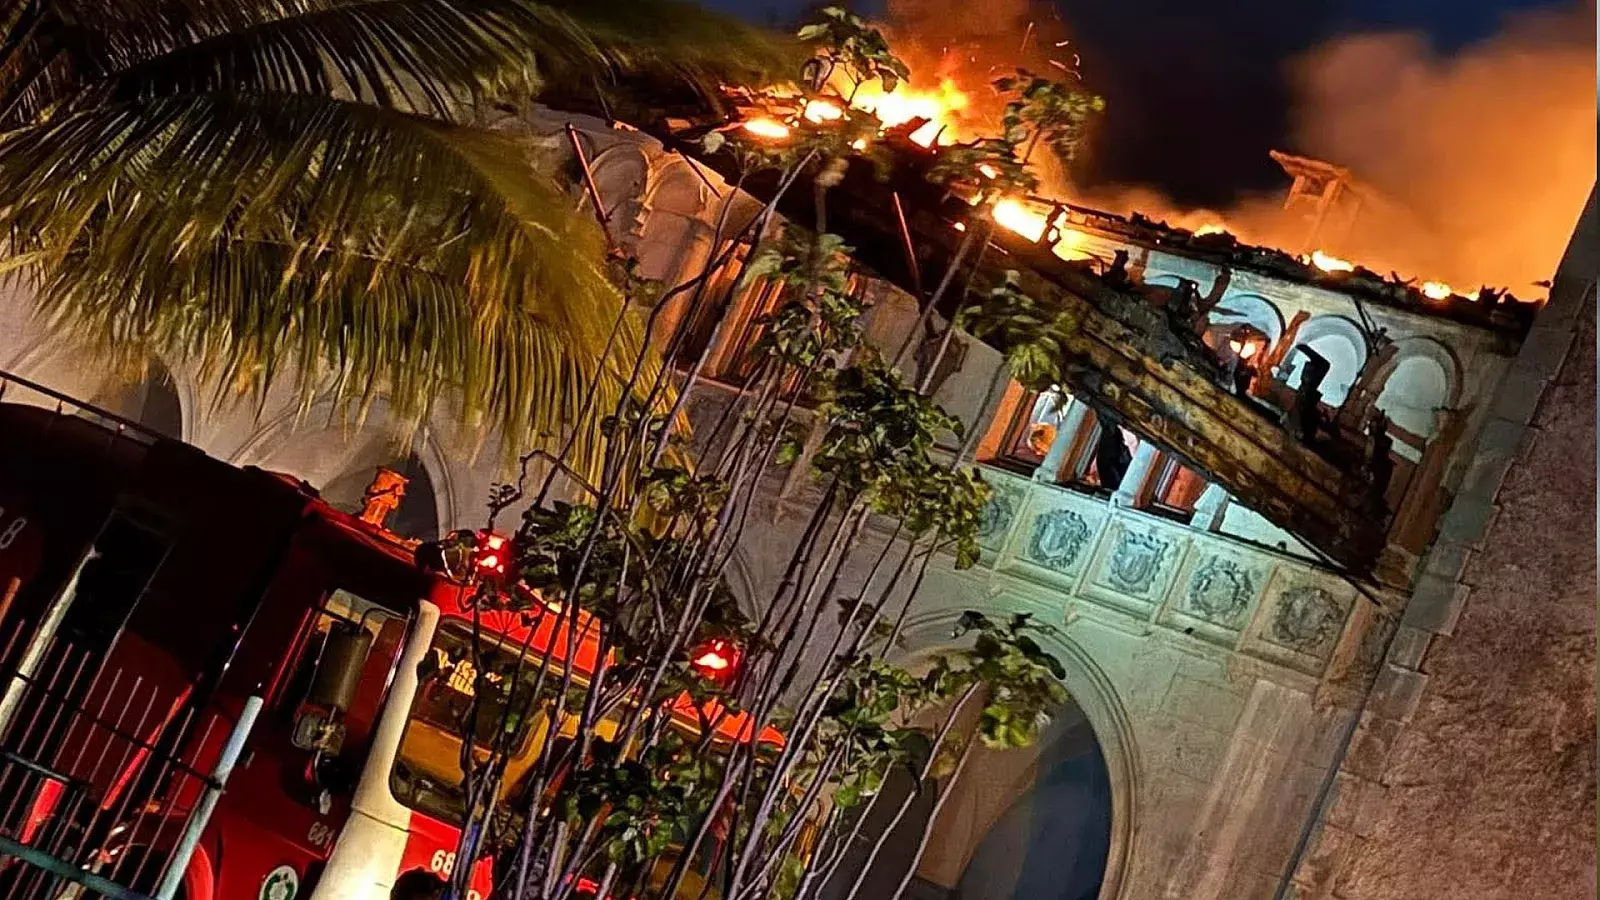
(1049, 822)
(151, 400)
(418, 513)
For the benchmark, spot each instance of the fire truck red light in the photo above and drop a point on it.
(716, 662)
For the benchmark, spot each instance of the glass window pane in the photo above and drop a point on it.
(1180, 487)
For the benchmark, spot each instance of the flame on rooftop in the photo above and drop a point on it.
(1327, 262)
(941, 106)
(1436, 290)
(771, 129)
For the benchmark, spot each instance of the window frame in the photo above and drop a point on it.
(1163, 472)
(1019, 419)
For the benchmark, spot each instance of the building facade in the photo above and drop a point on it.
(1230, 690)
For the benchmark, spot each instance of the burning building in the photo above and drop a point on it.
(1228, 508)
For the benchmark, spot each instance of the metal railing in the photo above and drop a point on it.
(107, 776)
(16, 389)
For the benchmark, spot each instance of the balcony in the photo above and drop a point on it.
(1047, 547)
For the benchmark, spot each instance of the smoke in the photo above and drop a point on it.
(1485, 156)
(1489, 153)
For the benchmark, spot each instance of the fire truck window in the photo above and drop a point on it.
(448, 698)
(120, 566)
(451, 701)
(340, 606)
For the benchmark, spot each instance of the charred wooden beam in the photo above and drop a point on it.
(1121, 353)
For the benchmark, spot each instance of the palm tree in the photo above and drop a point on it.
(293, 188)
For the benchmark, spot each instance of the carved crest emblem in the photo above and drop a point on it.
(998, 512)
(1307, 619)
(1136, 562)
(1220, 591)
(1057, 539)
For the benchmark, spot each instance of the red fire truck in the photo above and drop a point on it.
(152, 600)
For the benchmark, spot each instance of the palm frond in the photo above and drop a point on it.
(399, 252)
(273, 187)
(425, 56)
(685, 37)
(428, 56)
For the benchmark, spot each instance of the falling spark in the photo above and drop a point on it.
(767, 128)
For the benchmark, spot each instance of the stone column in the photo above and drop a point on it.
(1209, 509)
(687, 258)
(1144, 459)
(1067, 429)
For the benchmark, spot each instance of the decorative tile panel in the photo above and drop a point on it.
(1135, 565)
(1006, 499)
(1056, 538)
(1302, 620)
(1135, 562)
(1219, 591)
(1306, 618)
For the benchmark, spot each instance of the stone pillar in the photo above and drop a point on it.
(1067, 429)
(1144, 459)
(1210, 508)
(690, 255)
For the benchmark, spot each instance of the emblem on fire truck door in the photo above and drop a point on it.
(280, 884)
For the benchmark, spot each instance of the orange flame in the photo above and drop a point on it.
(1017, 216)
(1329, 263)
(822, 111)
(1012, 214)
(940, 107)
(1436, 290)
(1211, 228)
(767, 128)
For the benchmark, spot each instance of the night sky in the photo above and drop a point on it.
(1197, 92)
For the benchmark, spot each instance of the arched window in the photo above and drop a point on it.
(1252, 310)
(152, 401)
(1413, 394)
(1339, 341)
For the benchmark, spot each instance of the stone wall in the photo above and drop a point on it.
(1474, 772)
(1218, 678)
